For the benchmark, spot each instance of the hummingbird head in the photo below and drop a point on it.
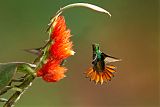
(96, 48)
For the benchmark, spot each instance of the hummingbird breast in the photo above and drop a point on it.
(99, 66)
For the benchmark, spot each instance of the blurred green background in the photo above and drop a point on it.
(131, 34)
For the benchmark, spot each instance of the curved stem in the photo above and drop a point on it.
(87, 5)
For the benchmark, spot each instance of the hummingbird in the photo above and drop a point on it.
(101, 70)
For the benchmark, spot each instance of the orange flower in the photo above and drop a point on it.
(61, 50)
(47, 67)
(62, 47)
(52, 71)
(59, 26)
(56, 74)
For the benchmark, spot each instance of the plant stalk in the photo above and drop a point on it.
(15, 97)
(28, 80)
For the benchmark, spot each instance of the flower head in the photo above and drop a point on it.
(60, 49)
(52, 71)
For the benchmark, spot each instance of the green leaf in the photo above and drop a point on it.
(7, 71)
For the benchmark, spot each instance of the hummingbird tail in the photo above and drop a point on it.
(101, 77)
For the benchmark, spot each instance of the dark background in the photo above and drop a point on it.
(130, 34)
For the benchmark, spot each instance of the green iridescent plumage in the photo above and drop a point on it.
(101, 71)
(100, 59)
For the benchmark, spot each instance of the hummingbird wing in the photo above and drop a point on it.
(109, 59)
(94, 58)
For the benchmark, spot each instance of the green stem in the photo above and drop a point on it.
(28, 79)
(13, 99)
